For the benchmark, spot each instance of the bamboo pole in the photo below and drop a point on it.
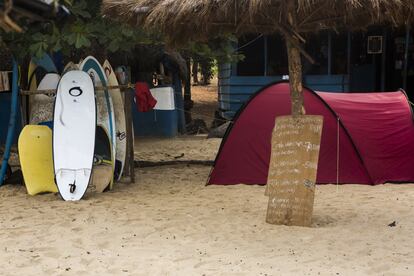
(122, 88)
(127, 168)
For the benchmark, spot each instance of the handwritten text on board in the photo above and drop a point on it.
(292, 169)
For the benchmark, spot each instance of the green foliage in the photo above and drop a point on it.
(219, 48)
(208, 55)
(79, 9)
(84, 30)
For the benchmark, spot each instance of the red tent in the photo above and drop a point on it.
(367, 138)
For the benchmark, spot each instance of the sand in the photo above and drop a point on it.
(169, 223)
(205, 101)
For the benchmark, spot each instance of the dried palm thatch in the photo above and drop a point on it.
(26, 12)
(198, 19)
(181, 20)
(6, 23)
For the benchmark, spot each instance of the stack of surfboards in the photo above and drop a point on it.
(89, 141)
(35, 140)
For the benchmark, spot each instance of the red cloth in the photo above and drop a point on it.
(376, 140)
(143, 98)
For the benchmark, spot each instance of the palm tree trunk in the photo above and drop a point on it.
(295, 79)
(295, 64)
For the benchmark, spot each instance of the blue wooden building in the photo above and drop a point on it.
(378, 59)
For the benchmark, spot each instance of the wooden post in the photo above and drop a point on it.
(330, 53)
(348, 55)
(187, 92)
(126, 171)
(129, 162)
(266, 55)
(383, 59)
(407, 44)
(194, 72)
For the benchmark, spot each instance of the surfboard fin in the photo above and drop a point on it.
(72, 187)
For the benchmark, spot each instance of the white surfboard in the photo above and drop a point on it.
(74, 127)
(120, 126)
(42, 105)
(105, 113)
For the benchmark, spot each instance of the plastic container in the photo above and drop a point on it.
(162, 121)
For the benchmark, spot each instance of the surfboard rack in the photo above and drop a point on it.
(128, 97)
(122, 88)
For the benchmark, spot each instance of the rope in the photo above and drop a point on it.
(337, 155)
(248, 43)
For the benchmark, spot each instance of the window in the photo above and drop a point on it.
(320, 47)
(252, 47)
(277, 60)
(339, 53)
(317, 47)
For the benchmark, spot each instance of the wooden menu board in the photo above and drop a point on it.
(292, 169)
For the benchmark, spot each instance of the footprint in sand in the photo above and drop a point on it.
(76, 229)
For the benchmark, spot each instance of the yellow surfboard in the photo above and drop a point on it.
(35, 153)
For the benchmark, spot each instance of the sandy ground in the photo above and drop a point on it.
(205, 102)
(169, 223)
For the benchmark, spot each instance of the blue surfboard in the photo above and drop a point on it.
(12, 123)
(46, 63)
(106, 116)
(91, 63)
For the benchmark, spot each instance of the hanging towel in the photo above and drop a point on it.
(143, 97)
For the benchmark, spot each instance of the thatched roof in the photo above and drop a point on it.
(12, 11)
(183, 19)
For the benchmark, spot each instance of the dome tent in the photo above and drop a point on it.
(367, 138)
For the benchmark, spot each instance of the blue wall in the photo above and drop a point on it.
(157, 123)
(5, 100)
(234, 91)
(160, 123)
